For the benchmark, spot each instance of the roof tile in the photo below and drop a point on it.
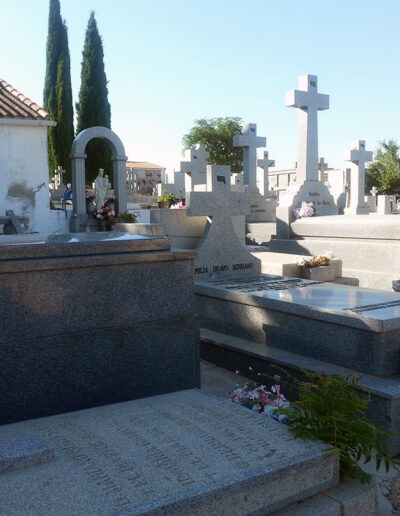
(14, 104)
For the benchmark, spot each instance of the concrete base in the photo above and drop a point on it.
(259, 233)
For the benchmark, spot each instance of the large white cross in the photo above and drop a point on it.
(249, 141)
(195, 168)
(358, 156)
(309, 102)
(262, 181)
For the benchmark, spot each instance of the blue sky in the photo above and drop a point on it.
(169, 62)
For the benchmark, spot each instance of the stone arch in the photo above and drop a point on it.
(78, 157)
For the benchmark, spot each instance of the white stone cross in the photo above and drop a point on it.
(374, 191)
(195, 168)
(358, 156)
(249, 141)
(309, 102)
(58, 177)
(220, 251)
(262, 181)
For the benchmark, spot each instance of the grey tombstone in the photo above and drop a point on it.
(322, 166)
(358, 156)
(220, 252)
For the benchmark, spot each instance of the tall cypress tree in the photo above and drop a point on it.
(93, 107)
(57, 94)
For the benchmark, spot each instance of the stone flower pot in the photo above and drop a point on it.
(322, 273)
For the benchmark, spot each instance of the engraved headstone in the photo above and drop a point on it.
(220, 252)
(358, 156)
(179, 453)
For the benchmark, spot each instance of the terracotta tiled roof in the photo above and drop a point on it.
(14, 104)
(142, 165)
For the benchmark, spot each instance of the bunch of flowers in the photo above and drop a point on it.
(315, 261)
(260, 399)
(105, 213)
(306, 209)
(181, 205)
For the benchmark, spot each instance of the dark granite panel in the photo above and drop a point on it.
(363, 351)
(60, 301)
(52, 375)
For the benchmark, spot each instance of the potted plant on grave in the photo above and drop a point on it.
(317, 268)
(126, 222)
(166, 200)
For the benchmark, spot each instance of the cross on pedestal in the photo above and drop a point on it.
(220, 250)
(309, 102)
(249, 141)
(262, 181)
(58, 177)
(195, 168)
(358, 156)
(374, 191)
(322, 166)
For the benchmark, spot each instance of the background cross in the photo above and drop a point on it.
(358, 156)
(249, 141)
(195, 169)
(262, 181)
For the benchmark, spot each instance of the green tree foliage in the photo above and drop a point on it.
(57, 94)
(93, 108)
(216, 134)
(384, 172)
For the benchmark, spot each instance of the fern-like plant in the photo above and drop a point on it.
(330, 409)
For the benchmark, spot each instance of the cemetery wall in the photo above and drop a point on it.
(24, 172)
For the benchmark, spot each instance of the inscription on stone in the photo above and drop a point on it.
(259, 283)
(135, 457)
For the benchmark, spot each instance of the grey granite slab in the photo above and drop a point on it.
(374, 310)
(76, 244)
(182, 453)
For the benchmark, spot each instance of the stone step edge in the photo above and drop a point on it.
(349, 498)
(387, 387)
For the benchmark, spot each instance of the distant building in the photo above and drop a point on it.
(143, 177)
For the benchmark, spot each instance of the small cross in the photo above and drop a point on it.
(249, 141)
(264, 163)
(195, 169)
(322, 166)
(358, 156)
(58, 177)
(374, 191)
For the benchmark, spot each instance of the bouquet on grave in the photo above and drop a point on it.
(306, 209)
(319, 260)
(260, 399)
(106, 213)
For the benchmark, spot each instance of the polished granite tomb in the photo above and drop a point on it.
(349, 326)
(87, 319)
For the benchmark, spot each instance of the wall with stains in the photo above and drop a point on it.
(24, 175)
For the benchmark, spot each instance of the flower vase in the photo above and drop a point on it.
(321, 273)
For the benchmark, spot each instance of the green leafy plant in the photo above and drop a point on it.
(168, 197)
(331, 409)
(126, 218)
